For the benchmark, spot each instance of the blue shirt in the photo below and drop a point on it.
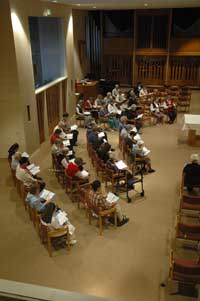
(35, 202)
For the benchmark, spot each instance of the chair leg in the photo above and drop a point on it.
(89, 216)
(49, 246)
(68, 240)
(100, 225)
(115, 219)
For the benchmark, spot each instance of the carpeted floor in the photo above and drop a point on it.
(128, 263)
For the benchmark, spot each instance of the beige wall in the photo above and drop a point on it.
(11, 121)
(81, 62)
(17, 71)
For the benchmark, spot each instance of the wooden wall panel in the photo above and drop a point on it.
(182, 46)
(119, 67)
(118, 46)
(64, 95)
(53, 99)
(150, 70)
(40, 114)
(184, 70)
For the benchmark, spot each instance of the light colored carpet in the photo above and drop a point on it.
(128, 263)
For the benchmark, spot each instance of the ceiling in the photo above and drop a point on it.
(128, 4)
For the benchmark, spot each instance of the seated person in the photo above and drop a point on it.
(125, 131)
(156, 112)
(34, 200)
(103, 151)
(50, 218)
(24, 175)
(122, 122)
(107, 98)
(104, 111)
(113, 122)
(138, 88)
(57, 147)
(171, 110)
(132, 98)
(99, 202)
(191, 173)
(79, 109)
(87, 104)
(132, 138)
(64, 123)
(15, 160)
(140, 151)
(132, 114)
(75, 170)
(12, 150)
(93, 137)
(143, 92)
(56, 135)
(98, 101)
(115, 91)
(64, 157)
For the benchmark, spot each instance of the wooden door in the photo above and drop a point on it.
(53, 98)
(64, 95)
(40, 114)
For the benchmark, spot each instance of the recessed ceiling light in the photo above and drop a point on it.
(94, 7)
(78, 4)
(146, 4)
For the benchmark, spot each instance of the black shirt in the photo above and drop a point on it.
(192, 174)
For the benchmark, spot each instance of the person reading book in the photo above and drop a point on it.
(24, 174)
(34, 198)
(54, 218)
(191, 173)
(140, 151)
(75, 170)
(101, 201)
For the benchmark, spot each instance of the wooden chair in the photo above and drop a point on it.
(80, 120)
(114, 178)
(72, 186)
(184, 271)
(101, 215)
(187, 231)
(104, 121)
(48, 235)
(83, 195)
(190, 202)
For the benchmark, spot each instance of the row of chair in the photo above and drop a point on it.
(186, 272)
(45, 234)
(79, 193)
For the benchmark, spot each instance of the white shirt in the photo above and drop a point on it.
(115, 92)
(24, 176)
(154, 108)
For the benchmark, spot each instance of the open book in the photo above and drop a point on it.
(85, 173)
(145, 151)
(101, 135)
(62, 218)
(66, 142)
(121, 165)
(112, 198)
(87, 113)
(137, 137)
(24, 154)
(33, 169)
(46, 194)
(69, 136)
(74, 127)
(70, 153)
(139, 116)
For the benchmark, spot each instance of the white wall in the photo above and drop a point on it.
(17, 79)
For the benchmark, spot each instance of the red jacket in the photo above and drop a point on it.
(54, 137)
(72, 169)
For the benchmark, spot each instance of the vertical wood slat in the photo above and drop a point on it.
(150, 69)
(40, 115)
(64, 95)
(184, 70)
(52, 98)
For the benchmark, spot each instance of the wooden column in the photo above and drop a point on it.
(134, 47)
(168, 47)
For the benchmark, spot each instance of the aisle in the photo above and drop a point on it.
(126, 263)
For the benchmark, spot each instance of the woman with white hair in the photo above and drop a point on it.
(191, 173)
(140, 151)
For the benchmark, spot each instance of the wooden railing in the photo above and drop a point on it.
(150, 69)
(184, 70)
(119, 67)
